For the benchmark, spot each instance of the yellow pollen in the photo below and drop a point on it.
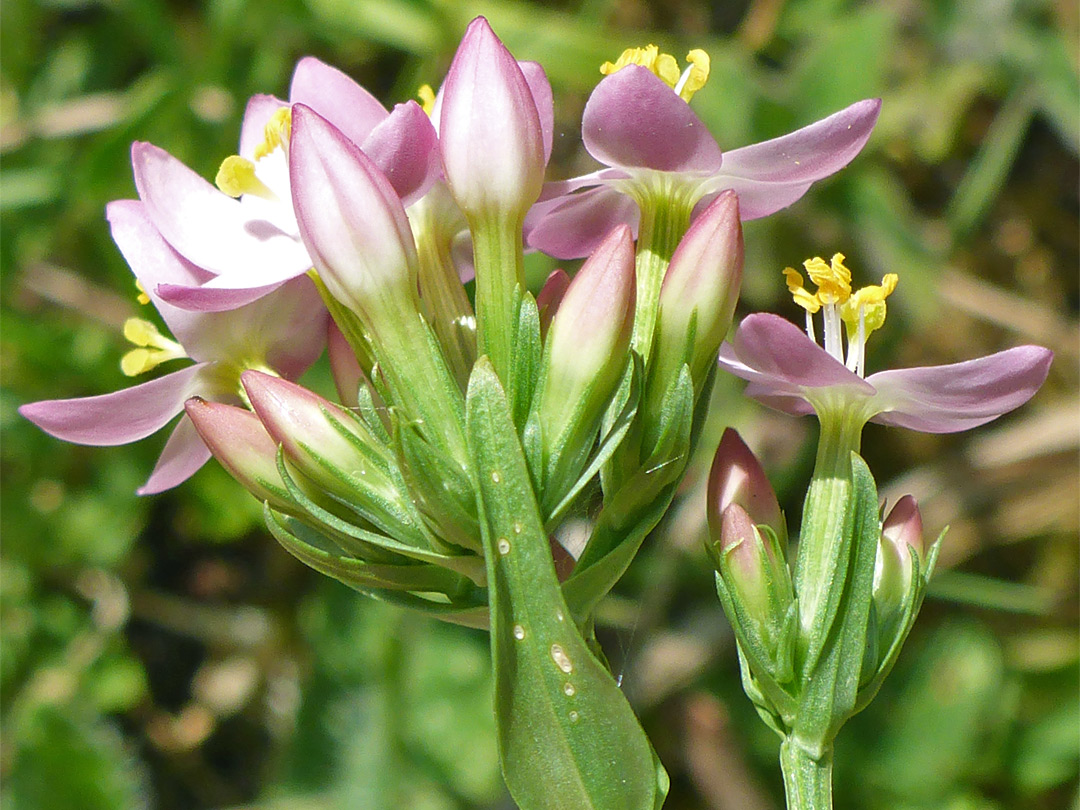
(427, 98)
(154, 348)
(142, 298)
(664, 65)
(833, 280)
(803, 297)
(276, 133)
(870, 300)
(237, 176)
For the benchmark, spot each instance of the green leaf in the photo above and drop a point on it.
(568, 740)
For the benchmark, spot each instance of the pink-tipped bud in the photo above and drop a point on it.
(704, 277)
(490, 130)
(737, 477)
(589, 338)
(901, 536)
(352, 223)
(550, 296)
(325, 442)
(746, 560)
(242, 446)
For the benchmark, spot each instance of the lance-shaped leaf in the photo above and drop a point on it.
(568, 740)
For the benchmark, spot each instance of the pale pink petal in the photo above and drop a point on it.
(406, 149)
(213, 299)
(182, 457)
(574, 226)
(120, 417)
(946, 399)
(337, 98)
(540, 88)
(634, 121)
(209, 228)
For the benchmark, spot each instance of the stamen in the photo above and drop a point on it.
(142, 298)
(154, 349)
(665, 66)
(833, 279)
(695, 75)
(427, 99)
(276, 133)
(237, 176)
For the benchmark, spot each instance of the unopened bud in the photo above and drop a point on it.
(738, 477)
(901, 536)
(550, 296)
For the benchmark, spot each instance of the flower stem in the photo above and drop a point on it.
(500, 271)
(807, 781)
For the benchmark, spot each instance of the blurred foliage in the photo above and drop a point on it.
(161, 652)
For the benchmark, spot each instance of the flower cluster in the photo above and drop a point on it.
(469, 428)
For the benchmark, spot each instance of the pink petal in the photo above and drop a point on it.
(120, 417)
(783, 356)
(634, 120)
(574, 226)
(182, 457)
(209, 228)
(337, 98)
(291, 323)
(405, 148)
(346, 371)
(773, 174)
(154, 262)
(259, 110)
(212, 299)
(540, 88)
(946, 399)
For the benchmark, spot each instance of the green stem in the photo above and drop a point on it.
(500, 271)
(807, 781)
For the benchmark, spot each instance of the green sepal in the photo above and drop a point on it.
(763, 706)
(369, 410)
(610, 441)
(561, 749)
(315, 550)
(373, 546)
(439, 486)
(634, 509)
(355, 333)
(524, 357)
(831, 679)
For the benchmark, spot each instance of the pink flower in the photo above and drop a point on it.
(284, 331)
(248, 238)
(652, 143)
(790, 372)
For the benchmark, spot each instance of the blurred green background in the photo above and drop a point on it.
(163, 652)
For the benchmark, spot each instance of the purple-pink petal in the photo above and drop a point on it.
(405, 148)
(573, 226)
(781, 352)
(773, 174)
(540, 88)
(337, 98)
(182, 457)
(634, 120)
(121, 417)
(950, 398)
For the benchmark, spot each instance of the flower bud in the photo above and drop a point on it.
(344, 367)
(702, 284)
(901, 536)
(490, 131)
(352, 223)
(588, 340)
(242, 446)
(737, 477)
(550, 296)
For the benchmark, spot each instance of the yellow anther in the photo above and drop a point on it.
(142, 298)
(427, 98)
(276, 133)
(154, 348)
(664, 65)
(661, 64)
(833, 280)
(237, 176)
(803, 297)
(870, 301)
(696, 74)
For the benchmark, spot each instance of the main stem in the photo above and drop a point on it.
(807, 781)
